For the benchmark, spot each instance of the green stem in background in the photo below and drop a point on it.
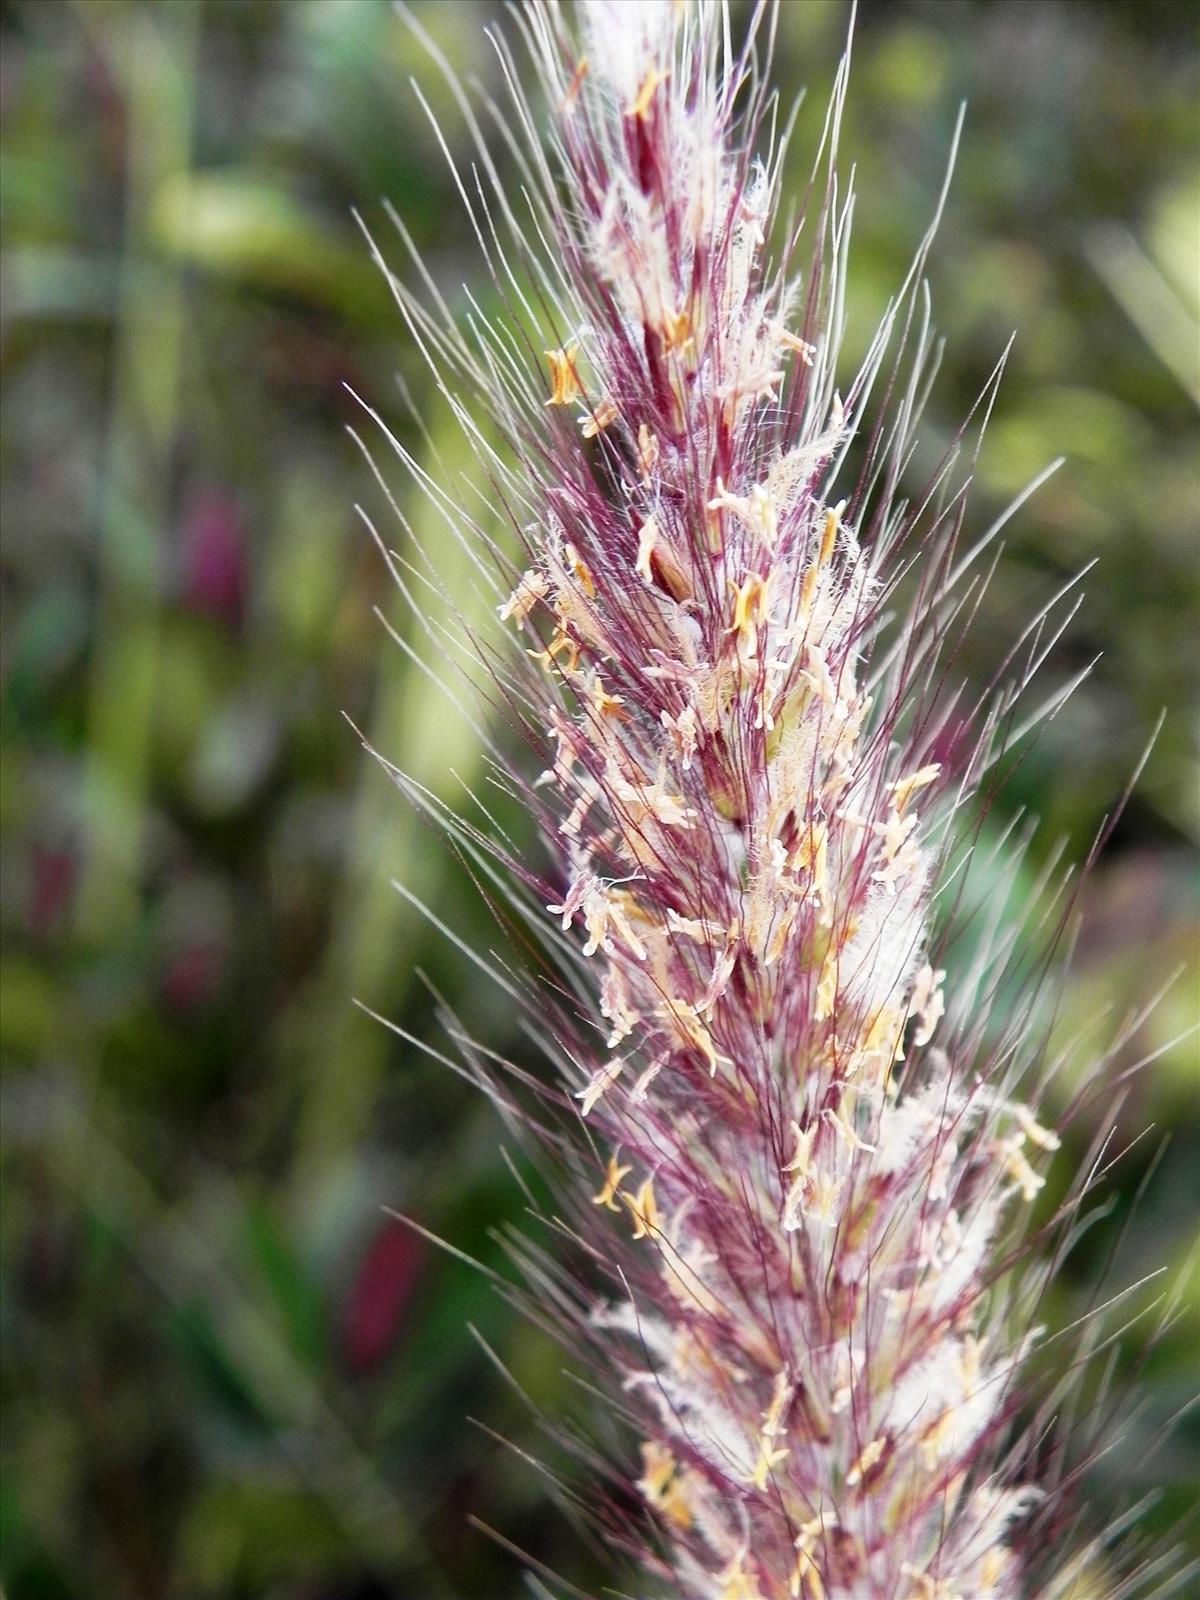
(1169, 324)
(369, 959)
(151, 56)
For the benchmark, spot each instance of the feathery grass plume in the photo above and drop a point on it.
(791, 1154)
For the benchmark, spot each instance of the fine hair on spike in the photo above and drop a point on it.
(707, 634)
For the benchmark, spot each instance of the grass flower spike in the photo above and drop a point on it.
(789, 1148)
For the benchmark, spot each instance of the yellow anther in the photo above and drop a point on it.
(1033, 1130)
(846, 1132)
(736, 1583)
(645, 94)
(926, 1587)
(804, 1141)
(701, 929)
(806, 1571)
(827, 985)
(676, 330)
(658, 1468)
(692, 1031)
(532, 588)
(813, 1530)
(801, 347)
(581, 571)
(761, 514)
(903, 789)
(642, 1086)
(780, 935)
(811, 855)
(768, 1460)
(565, 387)
(605, 913)
(723, 499)
(756, 509)
(884, 1041)
(968, 1363)
(607, 705)
(869, 1458)
(833, 519)
(793, 1200)
(1019, 1170)
(927, 1003)
(655, 552)
(644, 1210)
(822, 1205)
(613, 1174)
(560, 642)
(664, 1485)
(576, 83)
(993, 1566)
(808, 587)
(647, 451)
(749, 604)
(938, 1439)
(806, 1568)
(600, 1081)
(676, 1506)
(757, 385)
(808, 584)
(647, 539)
(596, 421)
(781, 1397)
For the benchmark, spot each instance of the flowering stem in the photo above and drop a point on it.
(796, 1153)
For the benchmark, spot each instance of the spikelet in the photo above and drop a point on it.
(794, 1154)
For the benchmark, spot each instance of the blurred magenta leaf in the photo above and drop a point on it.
(379, 1294)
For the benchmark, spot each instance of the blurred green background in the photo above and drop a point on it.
(226, 1372)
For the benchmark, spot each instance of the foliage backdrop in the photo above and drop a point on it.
(226, 1372)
